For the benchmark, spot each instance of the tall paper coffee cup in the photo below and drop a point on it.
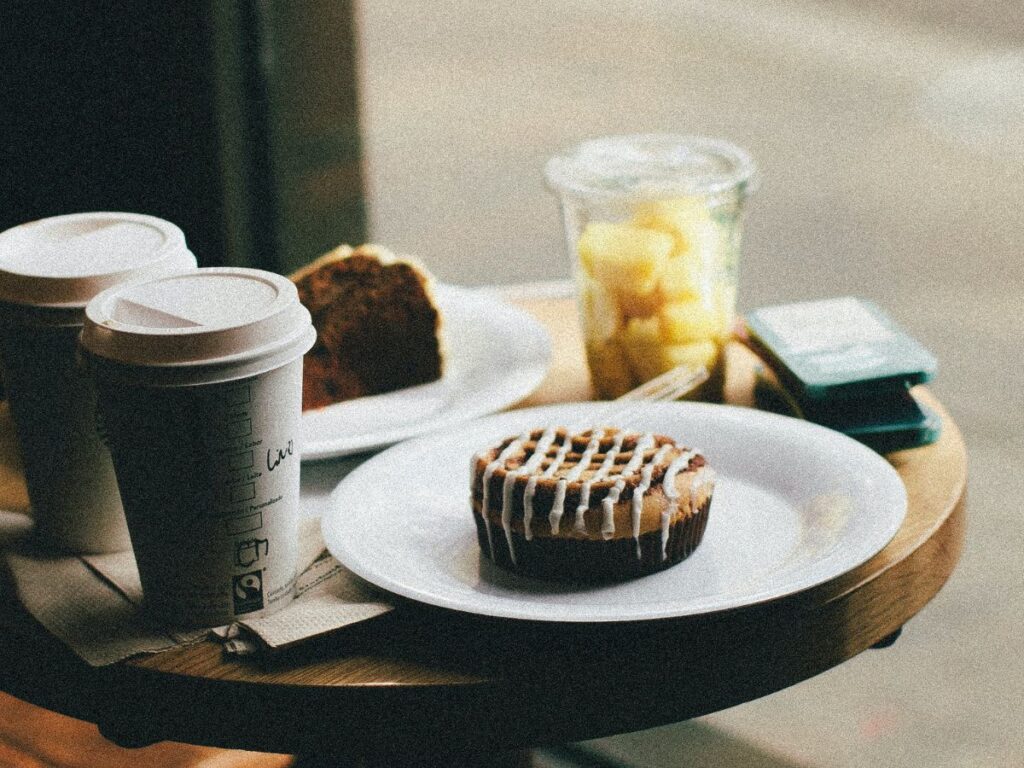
(49, 269)
(199, 378)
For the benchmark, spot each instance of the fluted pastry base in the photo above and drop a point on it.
(581, 559)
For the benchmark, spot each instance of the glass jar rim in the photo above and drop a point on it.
(653, 165)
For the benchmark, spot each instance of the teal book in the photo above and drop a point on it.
(838, 348)
(890, 421)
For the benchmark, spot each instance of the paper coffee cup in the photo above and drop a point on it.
(199, 378)
(49, 269)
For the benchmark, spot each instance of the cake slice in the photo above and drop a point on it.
(378, 325)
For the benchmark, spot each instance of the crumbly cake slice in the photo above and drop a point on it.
(378, 325)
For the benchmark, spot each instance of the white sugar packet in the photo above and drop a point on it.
(327, 598)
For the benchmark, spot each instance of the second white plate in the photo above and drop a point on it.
(496, 354)
(794, 506)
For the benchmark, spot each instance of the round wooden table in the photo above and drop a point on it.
(428, 685)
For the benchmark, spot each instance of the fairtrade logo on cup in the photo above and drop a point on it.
(199, 380)
(49, 270)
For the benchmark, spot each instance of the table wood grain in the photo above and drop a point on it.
(425, 680)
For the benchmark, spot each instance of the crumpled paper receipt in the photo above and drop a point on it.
(91, 602)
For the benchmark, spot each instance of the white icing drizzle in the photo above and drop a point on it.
(612, 497)
(504, 456)
(608, 509)
(638, 494)
(555, 515)
(576, 472)
(669, 485)
(563, 451)
(558, 506)
(680, 462)
(506, 512)
(531, 488)
(645, 442)
(604, 469)
(666, 519)
(608, 506)
(701, 480)
(540, 450)
(609, 502)
(531, 485)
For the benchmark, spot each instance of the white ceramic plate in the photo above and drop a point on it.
(496, 354)
(794, 506)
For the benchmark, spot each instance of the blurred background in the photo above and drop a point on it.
(890, 140)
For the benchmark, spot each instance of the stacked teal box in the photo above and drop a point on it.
(845, 364)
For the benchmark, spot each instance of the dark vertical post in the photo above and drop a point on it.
(110, 107)
(237, 119)
(311, 66)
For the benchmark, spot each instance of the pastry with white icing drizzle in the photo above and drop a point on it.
(593, 505)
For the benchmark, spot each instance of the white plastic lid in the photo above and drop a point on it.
(647, 166)
(59, 264)
(207, 325)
